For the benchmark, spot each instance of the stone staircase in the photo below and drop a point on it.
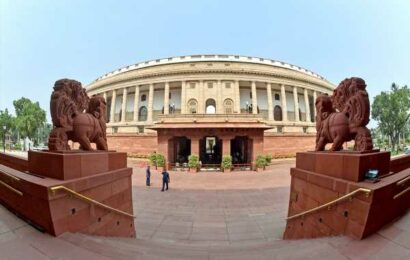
(18, 240)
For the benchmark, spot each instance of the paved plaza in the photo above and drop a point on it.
(238, 215)
(213, 207)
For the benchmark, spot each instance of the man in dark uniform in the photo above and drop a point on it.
(148, 174)
(165, 179)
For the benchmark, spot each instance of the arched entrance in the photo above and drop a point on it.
(277, 113)
(142, 114)
(210, 106)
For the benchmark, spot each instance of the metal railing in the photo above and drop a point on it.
(89, 200)
(403, 181)
(11, 176)
(331, 203)
(398, 195)
(11, 188)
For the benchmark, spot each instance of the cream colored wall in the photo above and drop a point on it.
(219, 91)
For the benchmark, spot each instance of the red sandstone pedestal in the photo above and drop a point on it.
(322, 177)
(101, 176)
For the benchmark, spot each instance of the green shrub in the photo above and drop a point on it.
(261, 161)
(153, 159)
(160, 160)
(226, 162)
(268, 158)
(284, 156)
(138, 155)
(193, 161)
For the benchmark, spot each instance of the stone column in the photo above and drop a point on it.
(284, 103)
(307, 106)
(254, 99)
(238, 97)
(226, 145)
(163, 144)
(314, 104)
(136, 100)
(112, 110)
(270, 102)
(124, 104)
(219, 101)
(166, 98)
(257, 145)
(183, 97)
(105, 99)
(195, 145)
(201, 101)
(295, 100)
(150, 102)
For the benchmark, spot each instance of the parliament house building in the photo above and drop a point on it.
(211, 105)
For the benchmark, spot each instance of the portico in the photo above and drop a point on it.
(211, 141)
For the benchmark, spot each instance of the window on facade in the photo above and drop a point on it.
(250, 94)
(228, 85)
(210, 106)
(228, 106)
(169, 96)
(192, 106)
(277, 97)
(142, 114)
(192, 85)
(277, 113)
(210, 85)
(143, 97)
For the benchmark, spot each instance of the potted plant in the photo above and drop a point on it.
(193, 161)
(268, 158)
(153, 159)
(160, 161)
(226, 163)
(260, 163)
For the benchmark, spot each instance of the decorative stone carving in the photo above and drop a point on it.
(76, 117)
(343, 117)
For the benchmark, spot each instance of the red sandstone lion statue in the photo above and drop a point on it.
(76, 117)
(343, 117)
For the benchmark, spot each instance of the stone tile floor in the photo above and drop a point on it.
(205, 216)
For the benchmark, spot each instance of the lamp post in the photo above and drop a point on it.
(4, 138)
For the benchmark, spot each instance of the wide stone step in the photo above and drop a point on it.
(136, 248)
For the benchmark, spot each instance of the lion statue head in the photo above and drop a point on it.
(67, 100)
(98, 107)
(346, 89)
(324, 107)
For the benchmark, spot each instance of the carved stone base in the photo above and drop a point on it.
(313, 185)
(61, 212)
(347, 165)
(68, 165)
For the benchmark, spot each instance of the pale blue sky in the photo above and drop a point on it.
(42, 41)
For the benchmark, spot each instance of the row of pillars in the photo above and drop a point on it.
(219, 102)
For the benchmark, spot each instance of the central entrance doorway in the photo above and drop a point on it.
(181, 149)
(210, 152)
(241, 152)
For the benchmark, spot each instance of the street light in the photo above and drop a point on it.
(4, 138)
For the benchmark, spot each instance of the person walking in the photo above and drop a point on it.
(165, 179)
(148, 175)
